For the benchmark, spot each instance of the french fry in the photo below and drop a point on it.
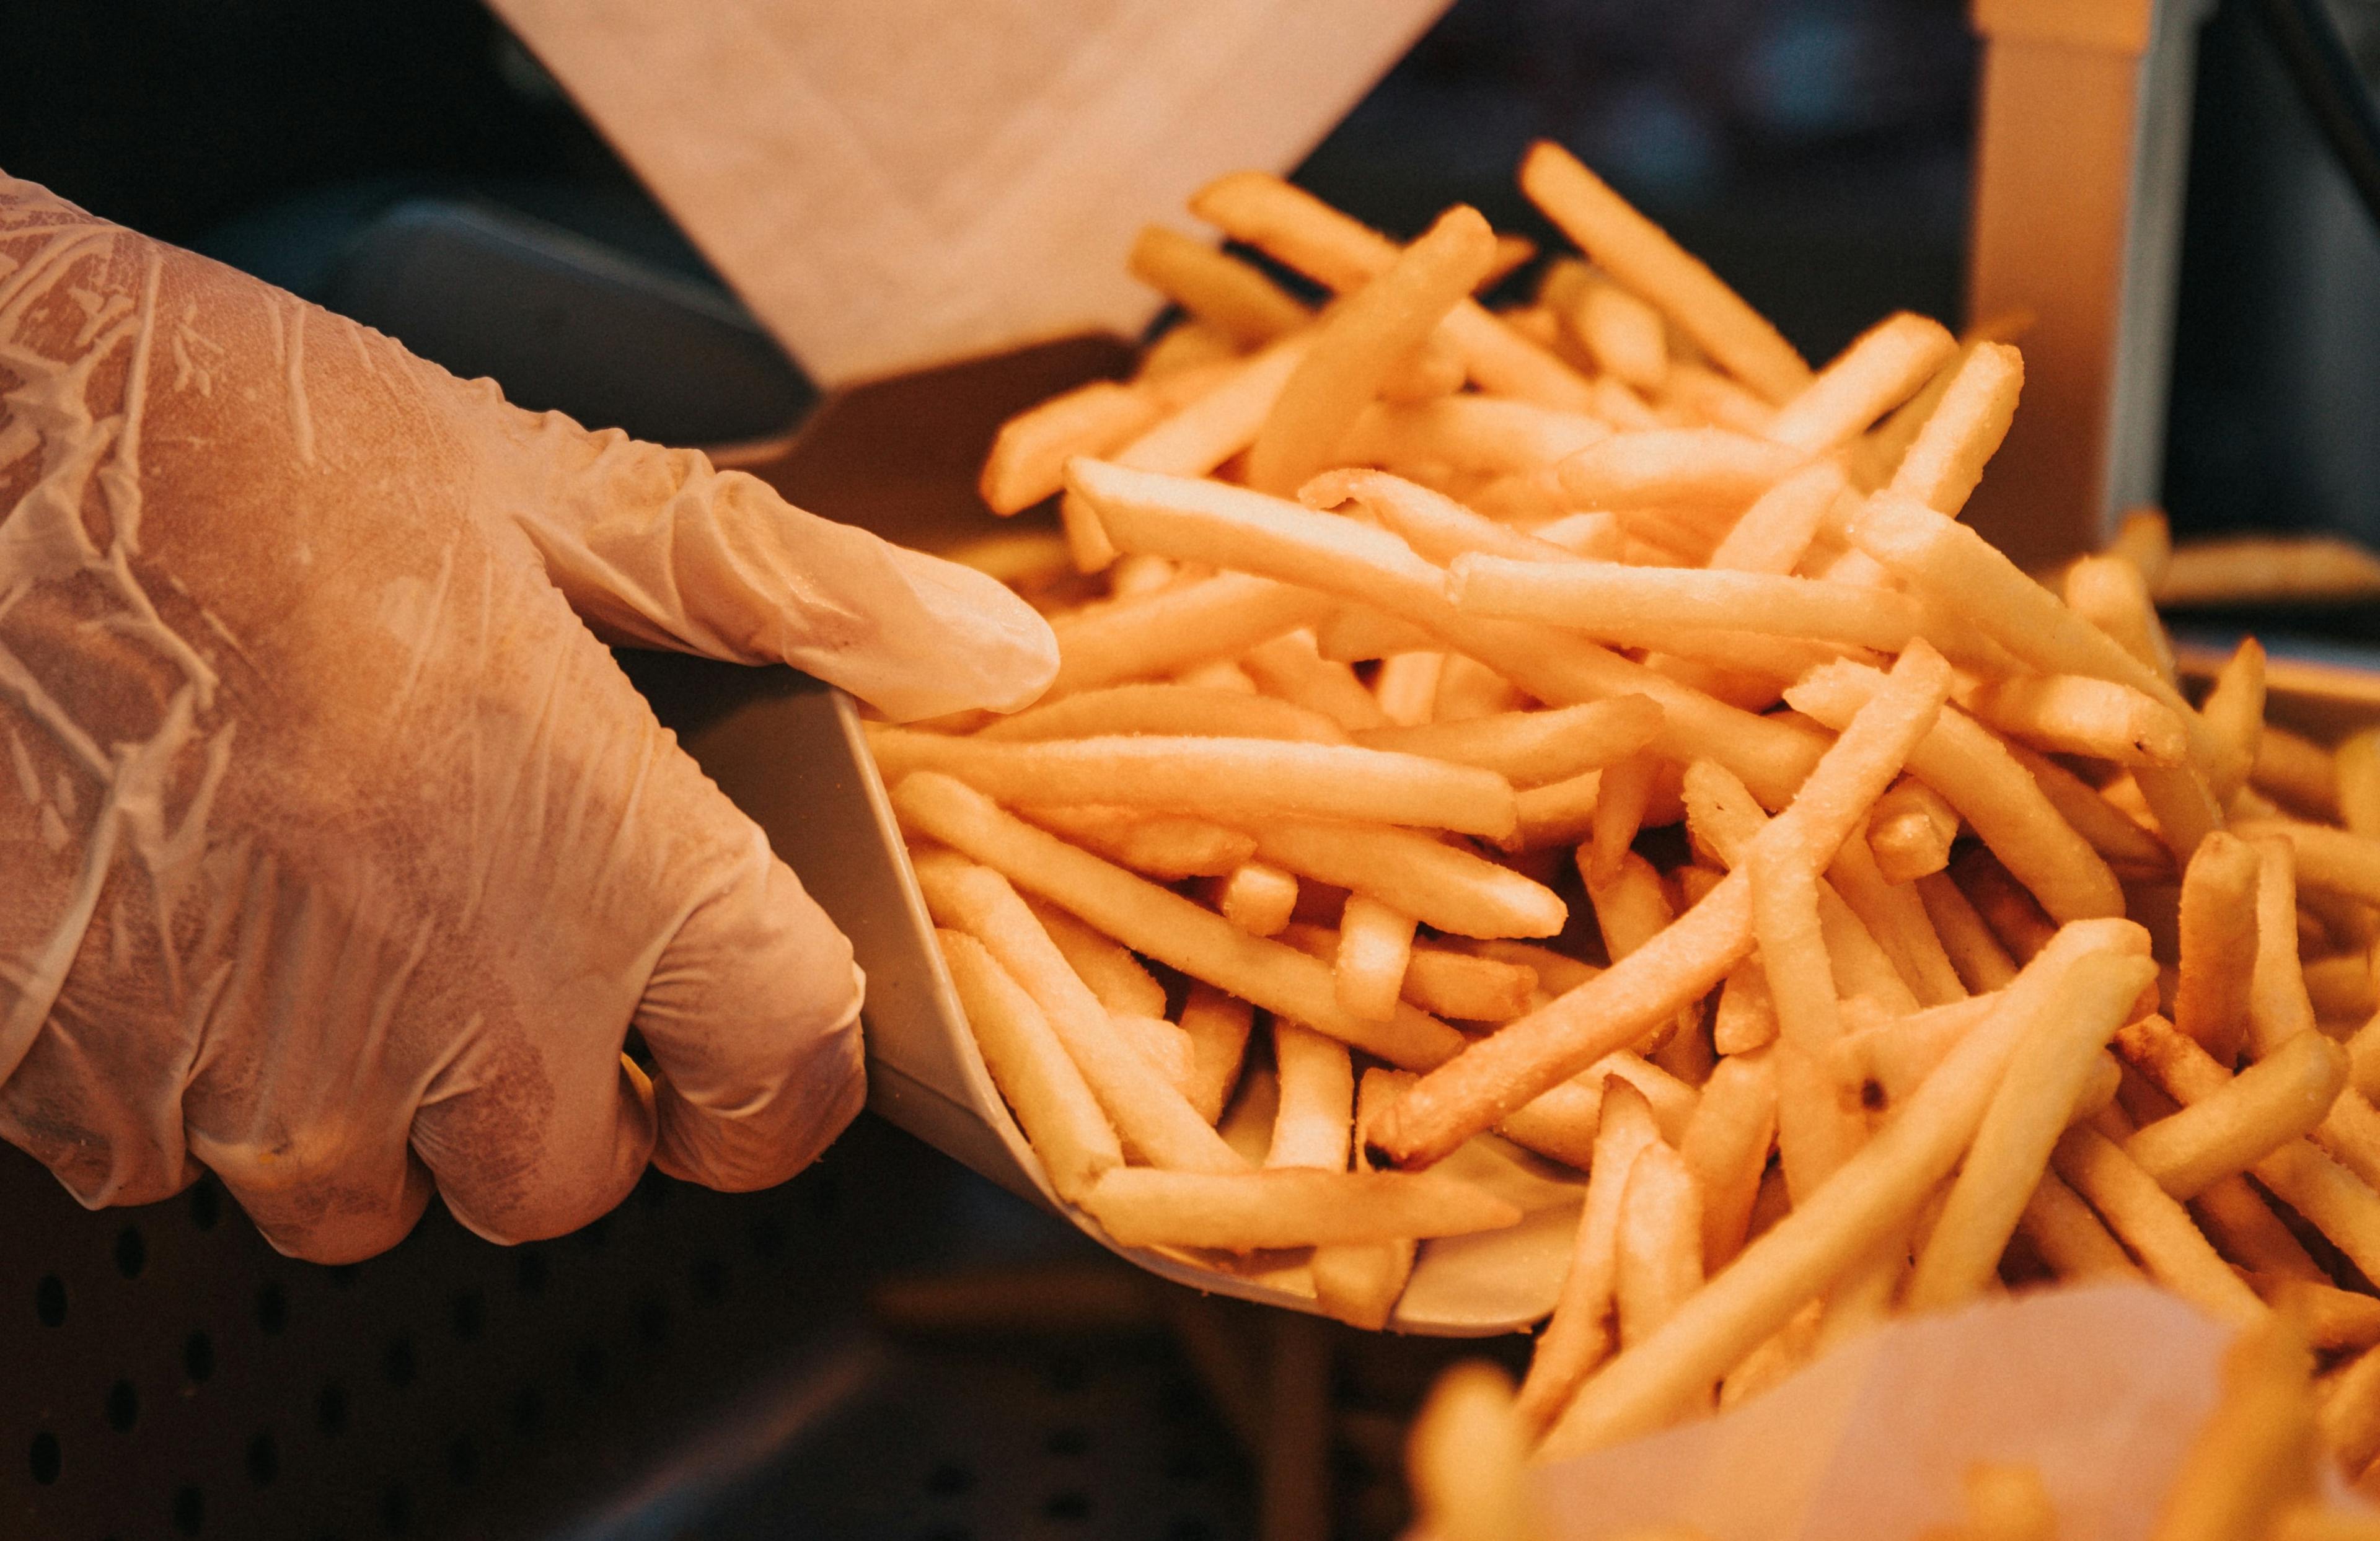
(1158, 844)
(2244, 1229)
(2075, 715)
(1359, 1285)
(1148, 1110)
(1559, 812)
(2330, 1317)
(2154, 1226)
(1289, 667)
(1434, 525)
(1287, 1207)
(1315, 1118)
(2280, 1008)
(1620, 800)
(1622, 333)
(1464, 1456)
(1111, 971)
(2234, 710)
(2275, 1100)
(1294, 227)
(2145, 541)
(1911, 830)
(1231, 526)
(1256, 896)
(1164, 633)
(1998, 798)
(1215, 778)
(1818, 1127)
(1054, 1106)
(1659, 1243)
(1361, 340)
(1159, 1041)
(2069, 1237)
(2348, 1412)
(2331, 1198)
(1438, 885)
(1682, 963)
(2021, 926)
(1968, 941)
(1218, 1025)
(1173, 930)
(2107, 829)
(2255, 1454)
(2245, 569)
(1695, 468)
(2333, 859)
(1490, 435)
(1746, 1017)
(2027, 1116)
(1173, 710)
(1215, 287)
(1211, 427)
(1726, 1147)
(1882, 368)
(1406, 686)
(1896, 917)
(2109, 592)
(1531, 749)
(1946, 459)
(2218, 945)
(2353, 785)
(1776, 531)
(1580, 1334)
(1871, 1197)
(1643, 605)
(1467, 988)
(1028, 455)
(1643, 258)
(1375, 947)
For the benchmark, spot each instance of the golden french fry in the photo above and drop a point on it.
(2027, 1115)
(2219, 947)
(1053, 1104)
(1215, 287)
(1911, 830)
(1621, 799)
(1436, 884)
(1165, 633)
(1726, 1147)
(2234, 710)
(1874, 1195)
(2254, 1455)
(2275, 1100)
(1746, 1017)
(1643, 258)
(2280, 1008)
(2154, 1226)
(1579, 1333)
(1234, 528)
(1286, 1207)
(2326, 858)
(1148, 1109)
(1645, 605)
(1214, 777)
(1406, 686)
(2330, 1317)
(1221, 422)
(1159, 1041)
(1316, 1114)
(2069, 1237)
(1882, 368)
(1375, 947)
(1218, 1025)
(2245, 569)
(1490, 435)
(1158, 844)
(1028, 455)
(1463, 1459)
(2244, 1229)
(1946, 458)
(2145, 541)
(1288, 667)
(2353, 785)
(1695, 468)
(1775, 533)
(1998, 799)
(2107, 829)
(1434, 525)
(1256, 896)
(1559, 813)
(2109, 592)
(1359, 1285)
(1173, 709)
(1659, 1243)
(1622, 333)
(1896, 917)
(1531, 749)
(1967, 938)
(1682, 963)
(1111, 971)
(1361, 340)
(2076, 715)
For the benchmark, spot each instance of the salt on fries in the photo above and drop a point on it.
(1981, 951)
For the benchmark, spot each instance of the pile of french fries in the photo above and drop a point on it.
(2251, 1473)
(1931, 937)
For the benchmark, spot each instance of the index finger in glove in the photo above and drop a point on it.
(655, 546)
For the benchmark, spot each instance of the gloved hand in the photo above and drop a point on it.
(335, 854)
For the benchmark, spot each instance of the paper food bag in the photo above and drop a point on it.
(889, 184)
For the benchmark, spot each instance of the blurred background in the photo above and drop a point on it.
(774, 1364)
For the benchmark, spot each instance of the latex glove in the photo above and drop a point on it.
(335, 854)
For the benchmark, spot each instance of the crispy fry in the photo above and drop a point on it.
(1215, 287)
(1053, 1104)
(1361, 340)
(2255, 1453)
(1289, 667)
(1896, 917)
(2107, 591)
(2070, 1237)
(1746, 1017)
(1111, 971)
(1287, 1207)
(1220, 778)
(2154, 1226)
(1644, 605)
(1173, 709)
(1028, 455)
(1580, 1334)
(1911, 830)
(1359, 1285)
(2071, 714)
(1726, 1147)
(1490, 435)
(2218, 945)
(1882, 368)
(1871, 1197)
(1776, 531)
(1438, 885)
(2333, 859)
(1463, 1459)
(2280, 1008)
(1158, 844)
(1641, 256)
(2234, 710)
(1659, 1243)
(1706, 467)
(1316, 1113)
(1946, 458)
(1217, 1024)
(1256, 896)
(1375, 947)
(1967, 938)
(2272, 1103)
(1163, 633)
(1531, 749)
(2107, 829)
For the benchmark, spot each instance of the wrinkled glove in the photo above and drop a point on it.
(335, 854)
